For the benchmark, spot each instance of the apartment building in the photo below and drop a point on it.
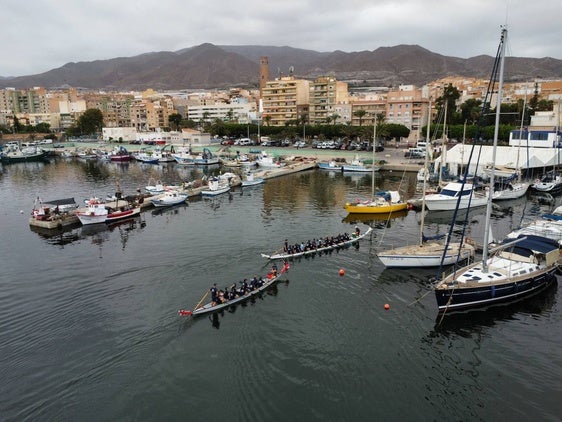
(231, 112)
(325, 94)
(371, 109)
(283, 99)
(408, 106)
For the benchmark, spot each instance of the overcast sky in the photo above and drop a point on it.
(39, 35)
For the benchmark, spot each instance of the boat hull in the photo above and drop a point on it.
(318, 250)
(450, 204)
(426, 255)
(458, 298)
(119, 215)
(374, 209)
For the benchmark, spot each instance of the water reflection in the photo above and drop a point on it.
(97, 233)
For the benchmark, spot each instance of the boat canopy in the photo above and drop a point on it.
(530, 244)
(59, 202)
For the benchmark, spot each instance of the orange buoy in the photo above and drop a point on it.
(342, 272)
(386, 306)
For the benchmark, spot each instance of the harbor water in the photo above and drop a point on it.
(89, 328)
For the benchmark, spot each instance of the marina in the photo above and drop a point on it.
(96, 307)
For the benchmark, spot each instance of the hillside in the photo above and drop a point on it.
(211, 66)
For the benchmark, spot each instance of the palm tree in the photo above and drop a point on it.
(360, 113)
(335, 118)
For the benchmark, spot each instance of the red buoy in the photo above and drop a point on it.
(342, 272)
(386, 306)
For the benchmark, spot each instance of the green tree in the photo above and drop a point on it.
(360, 114)
(175, 120)
(450, 96)
(90, 122)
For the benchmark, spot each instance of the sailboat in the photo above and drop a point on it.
(515, 269)
(428, 252)
(383, 202)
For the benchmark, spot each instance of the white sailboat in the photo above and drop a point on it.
(427, 252)
(517, 268)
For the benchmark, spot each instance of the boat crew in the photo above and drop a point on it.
(214, 294)
(274, 269)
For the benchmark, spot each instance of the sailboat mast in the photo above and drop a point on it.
(373, 165)
(496, 131)
(517, 166)
(425, 169)
(443, 146)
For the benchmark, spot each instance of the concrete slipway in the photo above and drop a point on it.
(534, 159)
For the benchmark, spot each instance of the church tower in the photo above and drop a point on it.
(264, 72)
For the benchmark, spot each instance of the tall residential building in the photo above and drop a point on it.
(283, 100)
(407, 106)
(371, 109)
(325, 94)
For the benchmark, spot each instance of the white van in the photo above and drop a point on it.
(243, 141)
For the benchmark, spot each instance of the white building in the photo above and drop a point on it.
(235, 112)
(125, 134)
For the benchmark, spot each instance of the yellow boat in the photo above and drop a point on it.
(383, 202)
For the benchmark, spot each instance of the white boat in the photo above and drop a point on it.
(501, 171)
(549, 226)
(187, 158)
(517, 268)
(163, 154)
(216, 186)
(95, 213)
(169, 198)
(145, 156)
(268, 161)
(550, 182)
(358, 165)
(447, 198)
(428, 252)
(330, 165)
(252, 180)
(509, 190)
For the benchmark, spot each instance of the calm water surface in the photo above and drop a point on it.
(89, 327)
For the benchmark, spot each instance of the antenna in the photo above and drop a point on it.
(291, 70)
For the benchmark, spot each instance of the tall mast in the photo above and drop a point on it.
(425, 168)
(373, 168)
(496, 130)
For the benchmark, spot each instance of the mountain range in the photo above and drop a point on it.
(220, 66)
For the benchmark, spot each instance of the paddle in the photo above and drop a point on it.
(184, 312)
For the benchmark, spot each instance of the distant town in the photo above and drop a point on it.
(285, 103)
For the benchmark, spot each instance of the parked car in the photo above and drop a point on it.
(286, 142)
(243, 141)
(299, 144)
(227, 142)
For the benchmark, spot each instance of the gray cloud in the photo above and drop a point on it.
(40, 35)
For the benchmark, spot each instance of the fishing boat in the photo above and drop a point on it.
(216, 186)
(429, 251)
(251, 180)
(330, 165)
(515, 269)
(354, 238)
(146, 156)
(271, 278)
(169, 198)
(95, 213)
(358, 165)
(15, 154)
(120, 155)
(53, 214)
(265, 160)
